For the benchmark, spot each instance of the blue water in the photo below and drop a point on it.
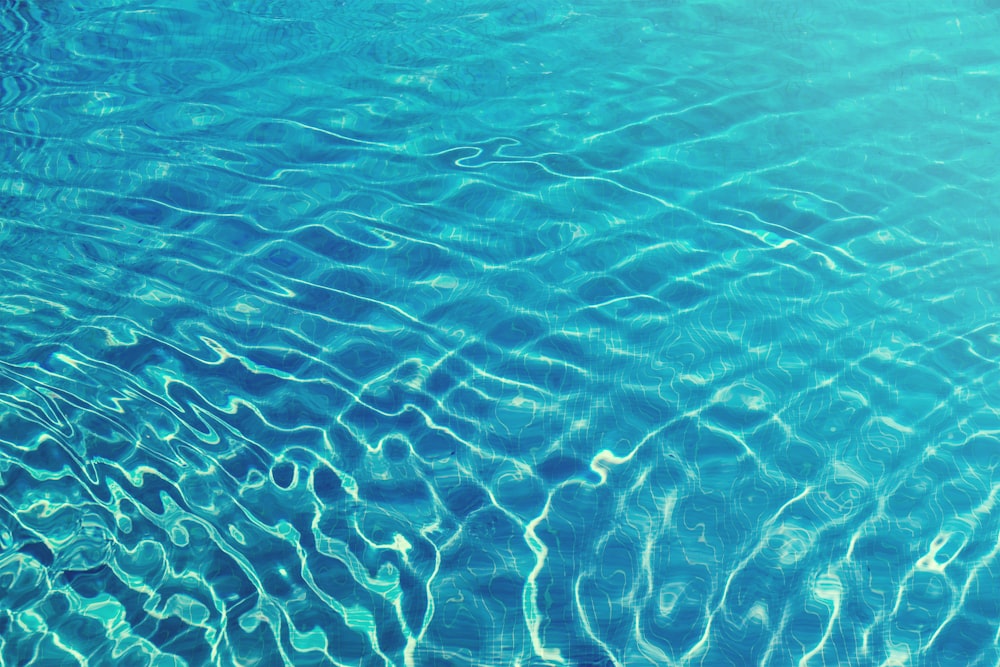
(491, 333)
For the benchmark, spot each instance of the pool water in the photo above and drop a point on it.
(488, 333)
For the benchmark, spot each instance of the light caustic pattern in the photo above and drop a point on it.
(642, 333)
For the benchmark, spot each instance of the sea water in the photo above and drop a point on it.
(483, 333)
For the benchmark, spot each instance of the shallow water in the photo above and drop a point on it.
(640, 333)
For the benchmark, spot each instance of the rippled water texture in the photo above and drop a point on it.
(494, 333)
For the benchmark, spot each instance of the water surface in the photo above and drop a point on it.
(440, 333)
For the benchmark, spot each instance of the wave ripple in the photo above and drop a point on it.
(424, 334)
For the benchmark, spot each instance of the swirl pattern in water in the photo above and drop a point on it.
(490, 333)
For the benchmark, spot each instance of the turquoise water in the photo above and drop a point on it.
(469, 333)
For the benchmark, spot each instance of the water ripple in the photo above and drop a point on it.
(388, 334)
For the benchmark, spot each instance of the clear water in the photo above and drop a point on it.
(494, 333)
